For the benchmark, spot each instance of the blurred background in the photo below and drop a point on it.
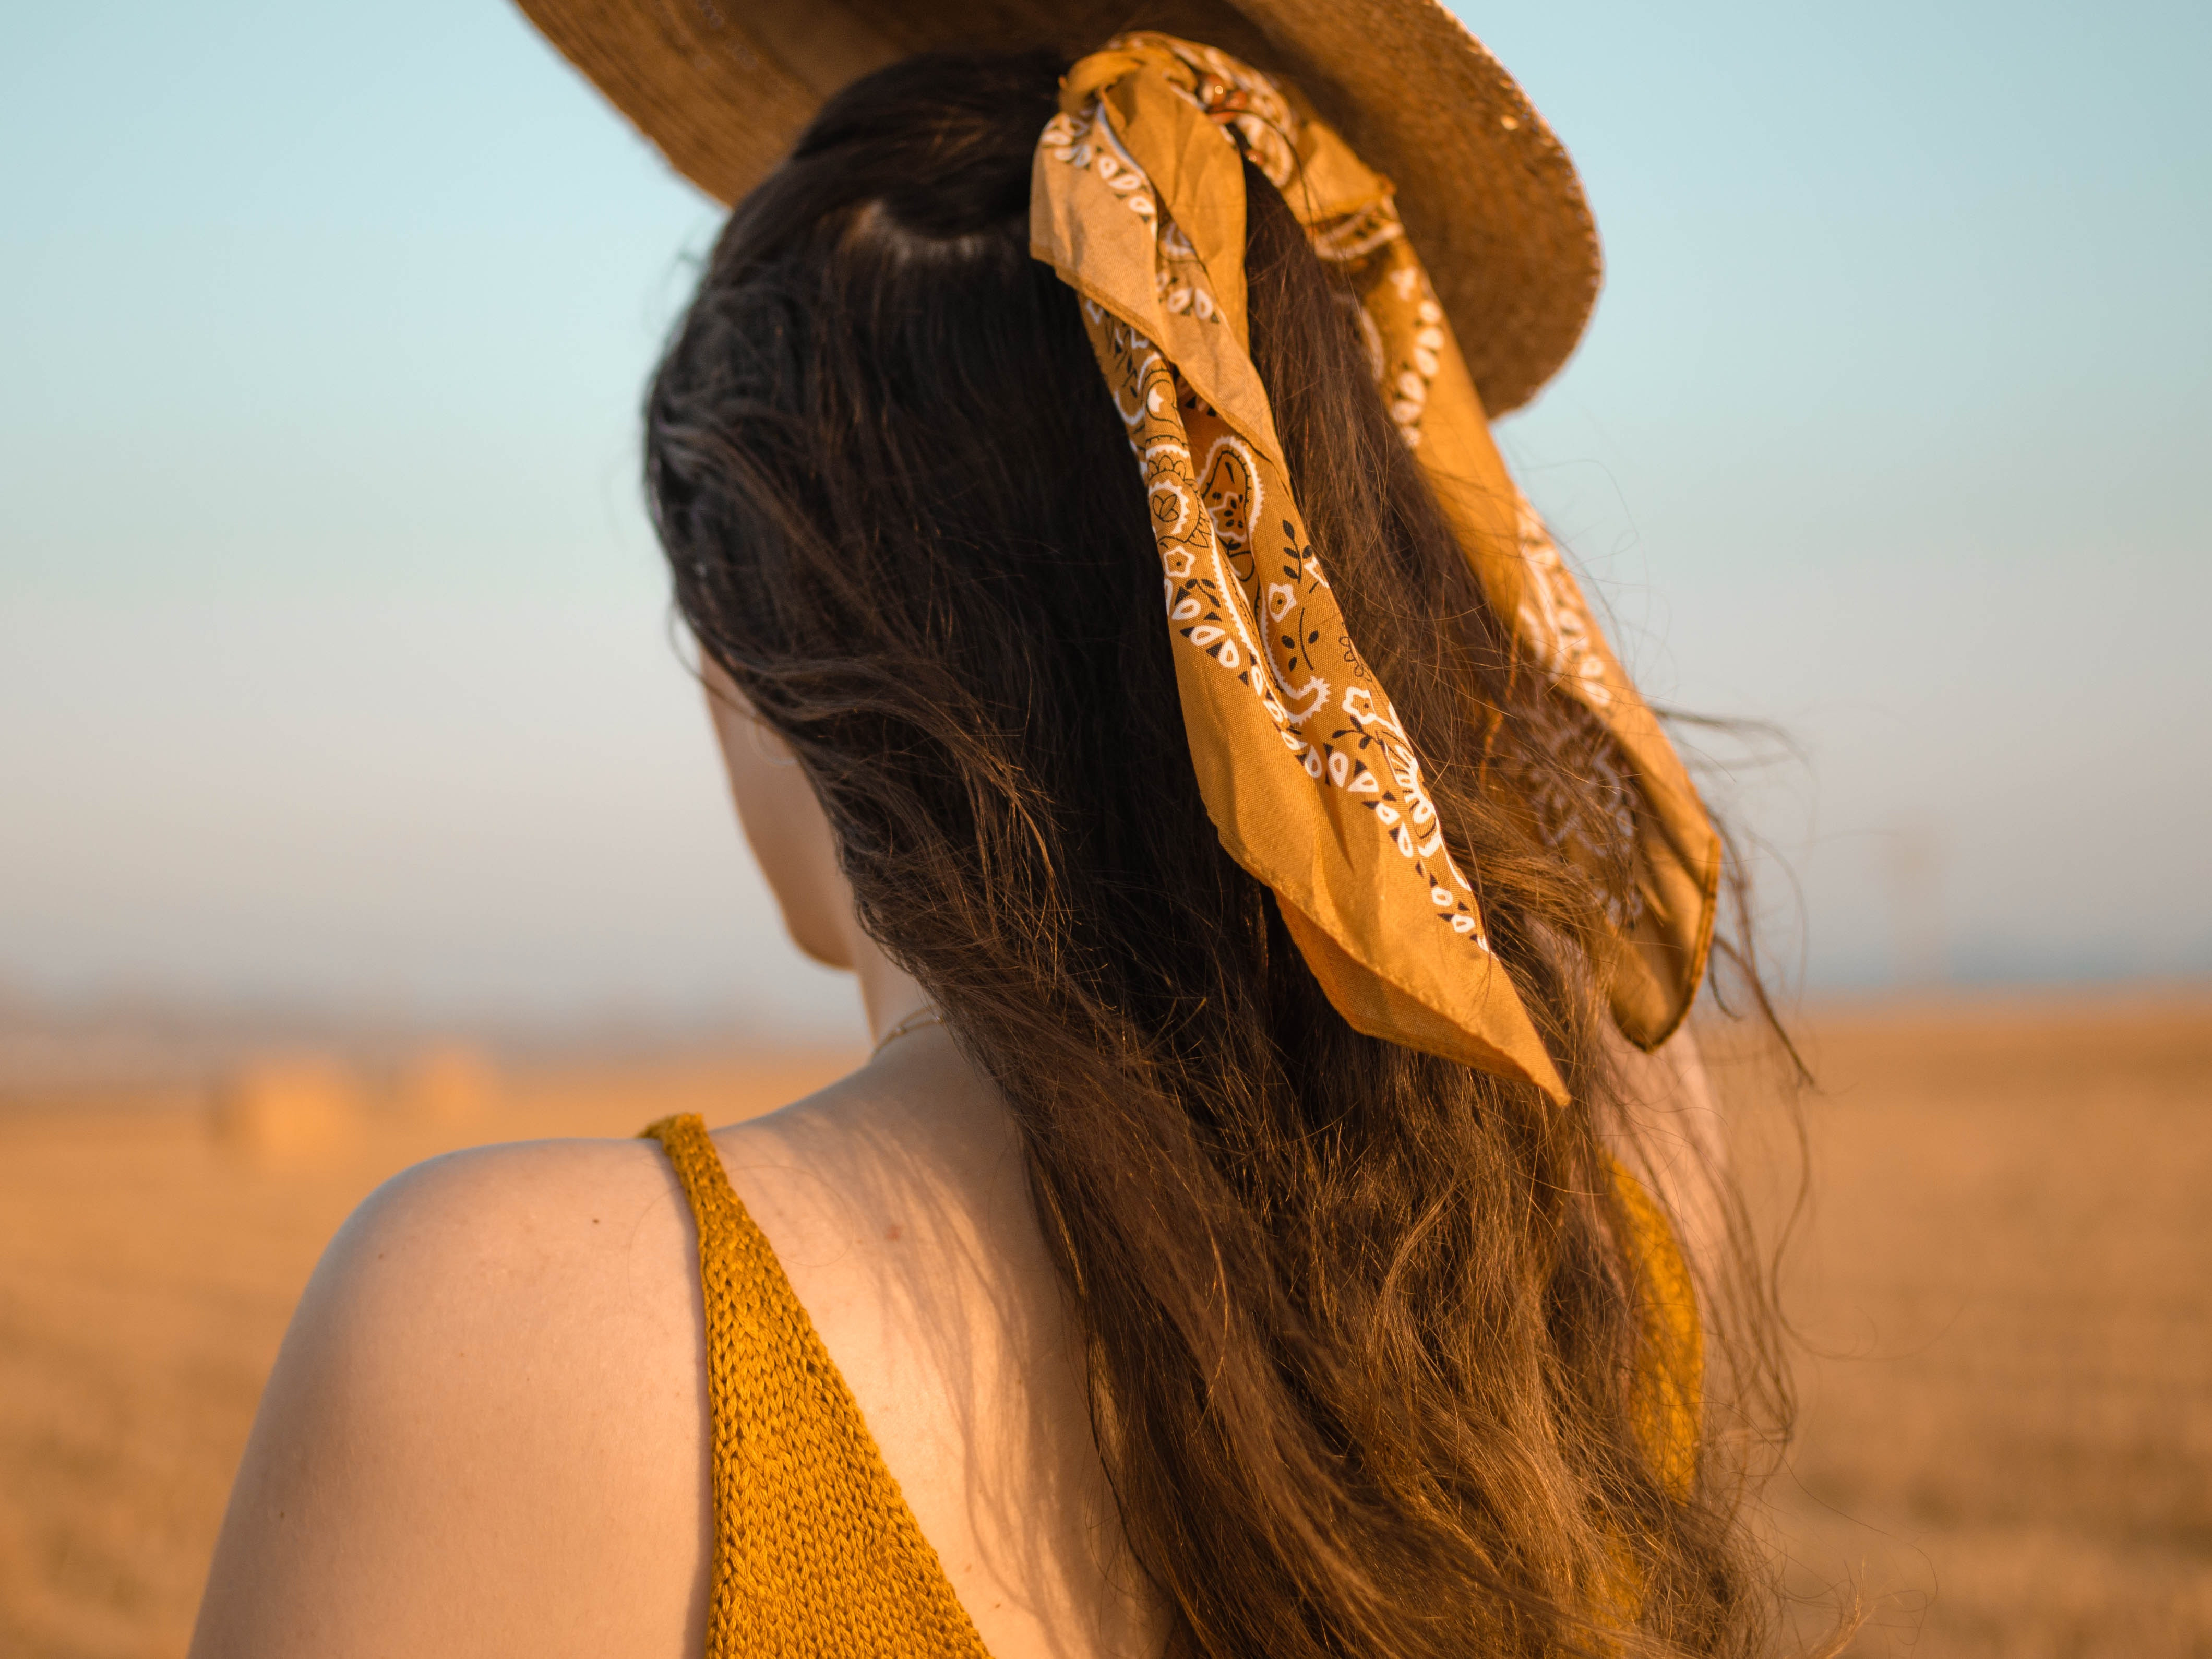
(355, 801)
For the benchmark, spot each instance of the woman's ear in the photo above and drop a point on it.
(784, 824)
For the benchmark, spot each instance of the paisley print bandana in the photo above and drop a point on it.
(1137, 200)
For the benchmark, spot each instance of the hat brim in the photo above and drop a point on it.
(1488, 194)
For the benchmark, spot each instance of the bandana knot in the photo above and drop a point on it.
(1137, 201)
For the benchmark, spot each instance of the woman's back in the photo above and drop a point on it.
(491, 1431)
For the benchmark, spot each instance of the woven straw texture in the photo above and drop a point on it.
(723, 88)
(816, 1554)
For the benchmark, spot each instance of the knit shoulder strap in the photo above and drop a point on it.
(816, 1553)
(1666, 1400)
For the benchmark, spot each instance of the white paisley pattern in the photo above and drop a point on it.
(1244, 587)
(1307, 769)
(1554, 622)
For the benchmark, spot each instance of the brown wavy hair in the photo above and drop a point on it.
(1360, 1325)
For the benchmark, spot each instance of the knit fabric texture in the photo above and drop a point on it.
(1667, 1403)
(817, 1555)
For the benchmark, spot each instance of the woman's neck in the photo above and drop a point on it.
(889, 993)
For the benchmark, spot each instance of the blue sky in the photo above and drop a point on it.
(334, 659)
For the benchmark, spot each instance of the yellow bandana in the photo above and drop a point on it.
(1137, 200)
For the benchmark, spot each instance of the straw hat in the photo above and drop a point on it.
(723, 88)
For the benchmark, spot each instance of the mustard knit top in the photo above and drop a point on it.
(816, 1554)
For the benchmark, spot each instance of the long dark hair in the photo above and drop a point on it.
(1361, 1327)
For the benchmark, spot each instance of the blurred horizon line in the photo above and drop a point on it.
(136, 1038)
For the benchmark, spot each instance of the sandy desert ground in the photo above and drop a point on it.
(2003, 1289)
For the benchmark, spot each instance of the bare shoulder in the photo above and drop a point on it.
(496, 1259)
(495, 1224)
(485, 1430)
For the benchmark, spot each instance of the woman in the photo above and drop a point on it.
(1220, 1253)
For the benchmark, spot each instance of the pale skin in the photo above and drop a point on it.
(486, 1433)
